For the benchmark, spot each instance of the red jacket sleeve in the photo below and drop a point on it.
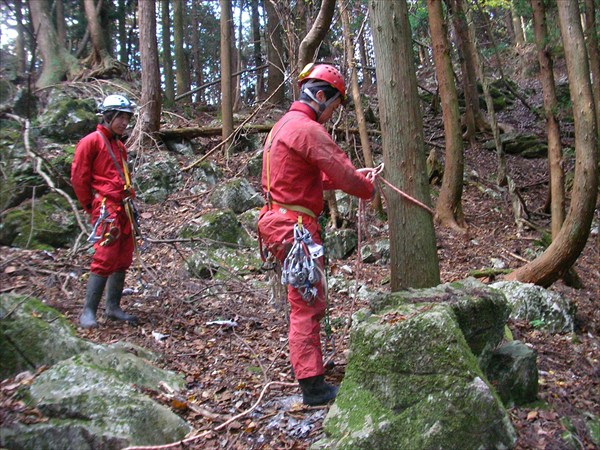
(338, 171)
(81, 171)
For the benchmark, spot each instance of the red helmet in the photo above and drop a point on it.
(323, 72)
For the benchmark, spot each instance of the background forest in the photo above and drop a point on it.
(484, 110)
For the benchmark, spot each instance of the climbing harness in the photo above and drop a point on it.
(104, 228)
(299, 268)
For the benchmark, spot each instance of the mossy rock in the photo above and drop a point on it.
(236, 194)
(68, 119)
(221, 263)
(412, 382)
(156, 179)
(33, 334)
(51, 224)
(218, 228)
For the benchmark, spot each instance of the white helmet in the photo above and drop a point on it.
(117, 103)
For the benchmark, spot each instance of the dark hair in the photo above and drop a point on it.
(329, 92)
(108, 116)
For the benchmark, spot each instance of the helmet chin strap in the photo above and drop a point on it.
(322, 105)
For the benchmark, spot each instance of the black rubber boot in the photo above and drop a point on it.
(316, 391)
(114, 291)
(93, 295)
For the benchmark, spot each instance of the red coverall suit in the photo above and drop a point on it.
(95, 177)
(303, 161)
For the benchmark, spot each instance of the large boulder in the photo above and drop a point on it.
(412, 380)
(92, 396)
(67, 119)
(46, 224)
(236, 194)
(33, 335)
(544, 309)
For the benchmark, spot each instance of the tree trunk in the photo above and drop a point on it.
(592, 47)
(258, 60)
(237, 58)
(100, 54)
(276, 68)
(518, 30)
(364, 61)
(123, 54)
(474, 120)
(566, 248)
(414, 261)
(449, 211)
(196, 66)
(58, 62)
(61, 26)
(181, 62)
(166, 53)
(356, 98)
(311, 42)
(149, 114)
(557, 183)
(226, 82)
(20, 41)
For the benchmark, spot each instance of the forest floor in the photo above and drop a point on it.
(228, 368)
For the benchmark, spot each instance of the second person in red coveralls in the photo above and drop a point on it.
(101, 181)
(300, 161)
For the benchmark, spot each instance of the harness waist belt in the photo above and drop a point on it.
(297, 208)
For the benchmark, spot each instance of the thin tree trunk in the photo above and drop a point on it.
(364, 61)
(414, 262)
(237, 62)
(309, 45)
(449, 208)
(276, 68)
(226, 82)
(593, 52)
(557, 183)
(166, 53)
(570, 241)
(474, 120)
(181, 62)
(518, 30)
(61, 26)
(123, 55)
(20, 41)
(358, 108)
(151, 98)
(258, 60)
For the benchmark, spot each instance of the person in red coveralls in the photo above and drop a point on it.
(102, 183)
(300, 161)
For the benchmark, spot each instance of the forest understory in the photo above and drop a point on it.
(226, 368)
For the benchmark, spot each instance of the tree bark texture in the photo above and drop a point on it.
(449, 211)
(226, 82)
(557, 177)
(414, 261)
(166, 52)
(150, 107)
(566, 248)
(182, 72)
(100, 53)
(593, 52)
(57, 62)
(310, 43)
(257, 49)
(276, 68)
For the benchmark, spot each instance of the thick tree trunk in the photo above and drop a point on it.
(166, 52)
(100, 54)
(149, 114)
(61, 26)
(557, 183)
(276, 68)
(226, 82)
(414, 261)
(314, 38)
(566, 248)
(449, 211)
(58, 63)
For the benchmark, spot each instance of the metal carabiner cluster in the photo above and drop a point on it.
(299, 268)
